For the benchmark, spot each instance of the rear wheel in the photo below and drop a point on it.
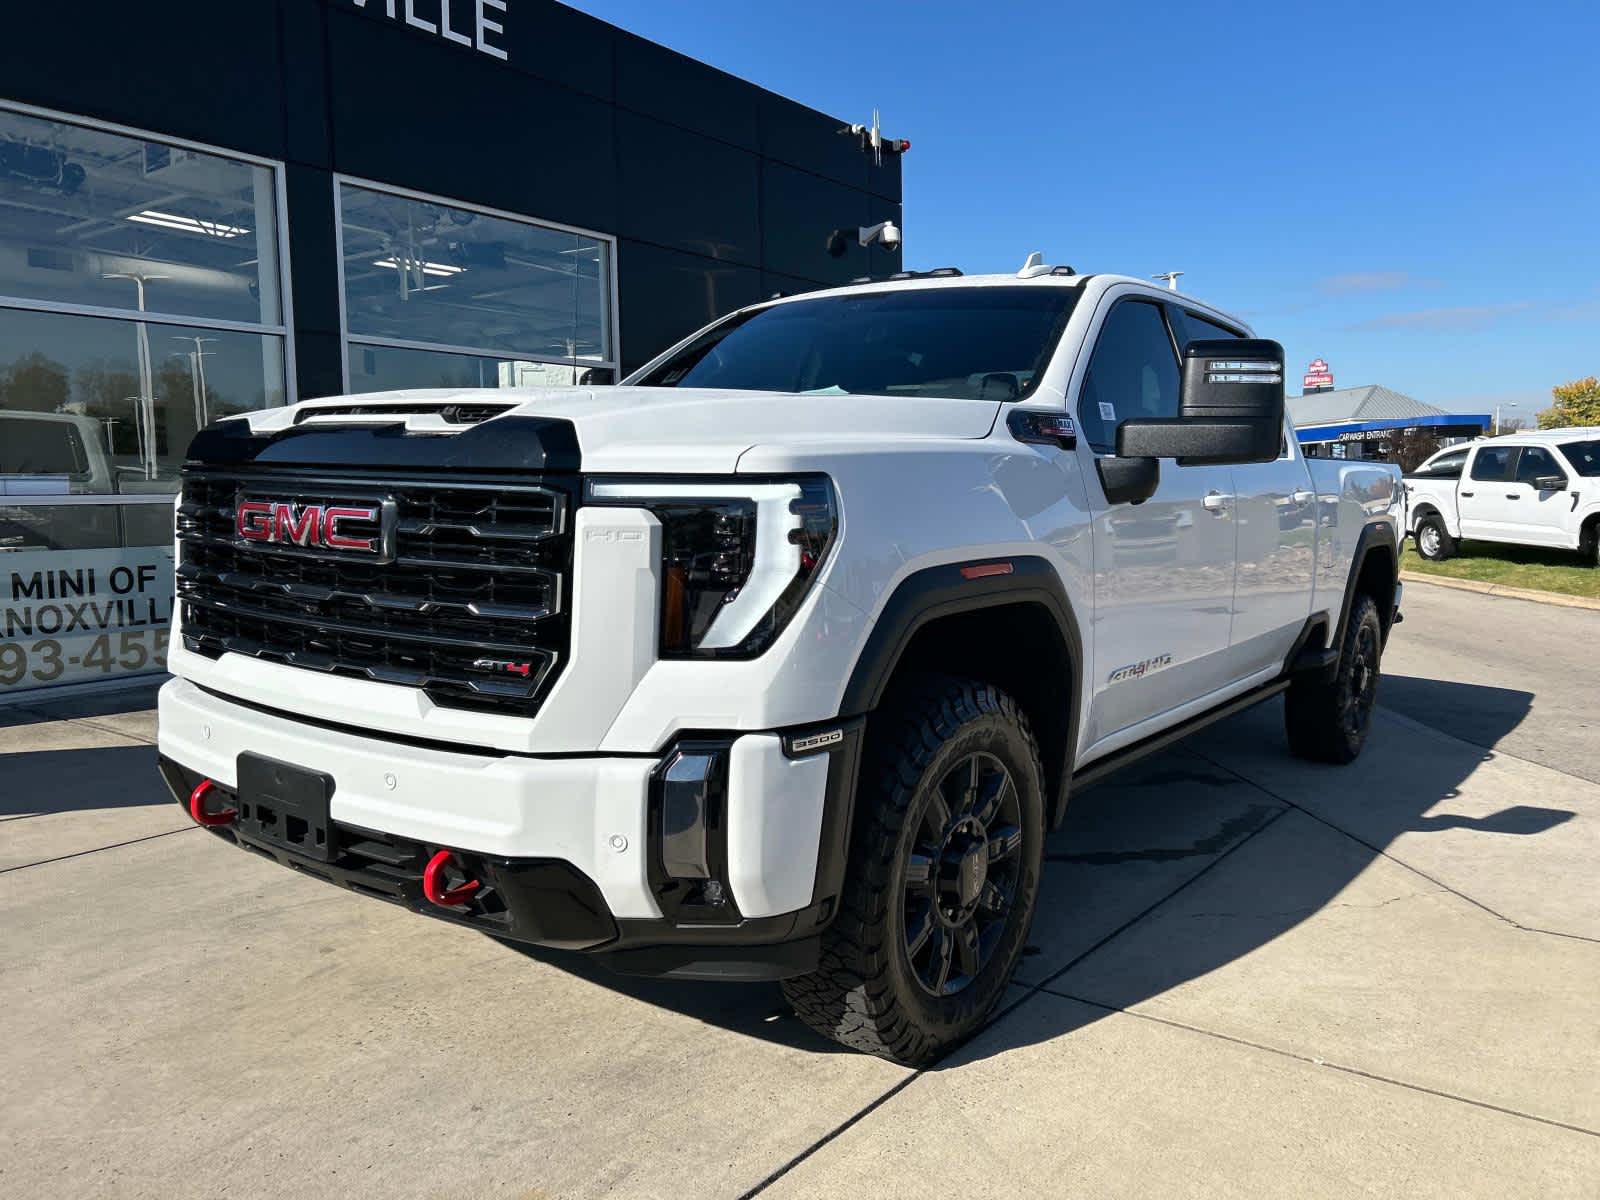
(942, 879)
(1434, 542)
(1327, 721)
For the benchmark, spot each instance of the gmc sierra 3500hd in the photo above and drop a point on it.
(779, 659)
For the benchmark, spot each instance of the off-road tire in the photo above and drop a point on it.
(866, 991)
(1434, 542)
(1328, 721)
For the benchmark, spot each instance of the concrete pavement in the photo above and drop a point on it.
(1251, 976)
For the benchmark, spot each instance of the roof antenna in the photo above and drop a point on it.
(1034, 266)
(1171, 277)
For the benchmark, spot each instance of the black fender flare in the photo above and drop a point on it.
(942, 591)
(1374, 536)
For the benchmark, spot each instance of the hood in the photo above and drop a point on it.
(681, 430)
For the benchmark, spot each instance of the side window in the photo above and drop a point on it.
(1493, 462)
(1133, 372)
(1536, 461)
(1447, 466)
(1192, 327)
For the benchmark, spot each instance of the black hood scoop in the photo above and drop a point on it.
(497, 446)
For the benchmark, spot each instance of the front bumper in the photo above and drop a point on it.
(569, 847)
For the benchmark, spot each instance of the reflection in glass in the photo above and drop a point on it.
(420, 271)
(105, 220)
(385, 368)
(99, 405)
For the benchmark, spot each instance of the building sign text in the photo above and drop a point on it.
(473, 23)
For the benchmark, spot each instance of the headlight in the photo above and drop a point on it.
(737, 557)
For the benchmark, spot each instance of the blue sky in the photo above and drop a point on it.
(1409, 190)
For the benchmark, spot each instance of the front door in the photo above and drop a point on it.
(1275, 516)
(1539, 504)
(1163, 569)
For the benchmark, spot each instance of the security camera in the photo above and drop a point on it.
(885, 233)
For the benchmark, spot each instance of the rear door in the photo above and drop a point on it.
(1274, 518)
(1482, 504)
(1163, 569)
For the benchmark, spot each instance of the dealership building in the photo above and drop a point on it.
(1364, 422)
(209, 208)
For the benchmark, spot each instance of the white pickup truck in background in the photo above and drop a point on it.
(1530, 489)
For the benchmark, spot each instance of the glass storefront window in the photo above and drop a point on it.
(440, 295)
(140, 298)
(131, 393)
(98, 219)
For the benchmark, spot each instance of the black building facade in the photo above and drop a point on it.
(211, 207)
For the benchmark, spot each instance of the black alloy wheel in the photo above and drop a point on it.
(961, 875)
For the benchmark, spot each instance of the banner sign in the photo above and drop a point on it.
(68, 616)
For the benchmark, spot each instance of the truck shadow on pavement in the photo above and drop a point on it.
(1179, 821)
(40, 782)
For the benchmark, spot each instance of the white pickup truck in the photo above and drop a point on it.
(1531, 489)
(778, 660)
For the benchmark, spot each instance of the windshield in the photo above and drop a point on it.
(1584, 457)
(975, 343)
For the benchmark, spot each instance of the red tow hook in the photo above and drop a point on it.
(433, 883)
(197, 808)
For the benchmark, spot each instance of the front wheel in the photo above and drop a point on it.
(1328, 721)
(942, 879)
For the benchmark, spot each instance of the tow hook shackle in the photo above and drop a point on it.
(433, 883)
(197, 808)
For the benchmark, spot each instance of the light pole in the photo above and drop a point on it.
(1497, 408)
(146, 398)
(197, 374)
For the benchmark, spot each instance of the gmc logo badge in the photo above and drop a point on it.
(344, 528)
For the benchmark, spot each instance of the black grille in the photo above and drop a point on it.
(472, 608)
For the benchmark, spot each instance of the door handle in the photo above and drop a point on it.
(1512, 496)
(1217, 503)
(1303, 497)
(1466, 495)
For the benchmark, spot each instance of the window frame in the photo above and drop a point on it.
(1425, 472)
(610, 292)
(1160, 304)
(1558, 465)
(283, 330)
(1513, 453)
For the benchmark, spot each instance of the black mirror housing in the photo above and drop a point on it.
(1550, 483)
(1230, 407)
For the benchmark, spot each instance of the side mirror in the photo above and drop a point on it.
(1230, 409)
(1550, 483)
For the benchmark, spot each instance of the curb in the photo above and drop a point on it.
(1502, 589)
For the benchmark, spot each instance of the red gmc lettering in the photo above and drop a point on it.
(303, 529)
(283, 523)
(334, 540)
(254, 520)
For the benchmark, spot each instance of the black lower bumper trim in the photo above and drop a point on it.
(541, 901)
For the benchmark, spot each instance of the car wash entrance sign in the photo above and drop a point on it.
(476, 24)
(74, 616)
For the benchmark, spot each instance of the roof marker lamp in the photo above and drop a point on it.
(737, 558)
